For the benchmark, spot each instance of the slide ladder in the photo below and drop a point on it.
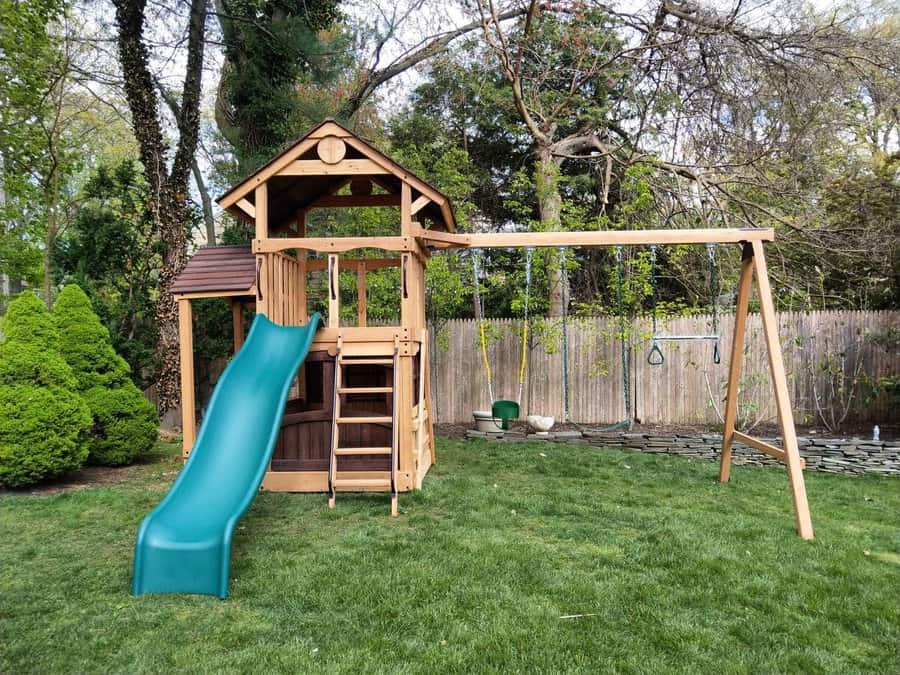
(339, 481)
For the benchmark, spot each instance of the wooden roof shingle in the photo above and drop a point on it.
(217, 268)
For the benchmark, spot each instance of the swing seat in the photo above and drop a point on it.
(505, 411)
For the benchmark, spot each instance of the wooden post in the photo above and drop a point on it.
(737, 357)
(303, 316)
(405, 209)
(361, 299)
(261, 211)
(237, 323)
(334, 292)
(782, 398)
(407, 291)
(263, 266)
(186, 354)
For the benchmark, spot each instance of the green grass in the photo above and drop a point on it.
(674, 573)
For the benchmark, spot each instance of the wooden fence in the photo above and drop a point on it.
(831, 359)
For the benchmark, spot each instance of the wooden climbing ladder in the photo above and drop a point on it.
(341, 483)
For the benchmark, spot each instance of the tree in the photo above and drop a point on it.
(112, 252)
(43, 421)
(166, 173)
(30, 165)
(124, 422)
(280, 58)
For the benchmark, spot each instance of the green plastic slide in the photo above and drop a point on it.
(184, 544)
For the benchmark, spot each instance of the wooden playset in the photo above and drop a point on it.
(359, 417)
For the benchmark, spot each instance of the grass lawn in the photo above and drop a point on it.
(670, 571)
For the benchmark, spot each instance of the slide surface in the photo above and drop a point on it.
(184, 544)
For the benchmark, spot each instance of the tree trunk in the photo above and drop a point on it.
(549, 199)
(168, 191)
(52, 232)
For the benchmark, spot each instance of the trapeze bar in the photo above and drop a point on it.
(671, 338)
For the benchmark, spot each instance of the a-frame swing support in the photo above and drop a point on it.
(753, 261)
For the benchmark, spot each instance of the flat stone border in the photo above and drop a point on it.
(830, 455)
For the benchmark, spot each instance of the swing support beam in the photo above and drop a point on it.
(753, 264)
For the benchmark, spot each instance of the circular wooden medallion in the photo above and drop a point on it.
(331, 149)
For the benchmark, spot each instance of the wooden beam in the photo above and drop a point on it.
(604, 238)
(250, 292)
(316, 167)
(349, 201)
(335, 244)
(237, 324)
(420, 204)
(782, 399)
(261, 216)
(354, 263)
(302, 303)
(186, 356)
(765, 448)
(737, 357)
(361, 299)
(246, 207)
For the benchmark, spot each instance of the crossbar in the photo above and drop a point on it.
(670, 338)
(766, 448)
(598, 239)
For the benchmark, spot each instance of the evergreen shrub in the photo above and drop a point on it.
(43, 421)
(125, 425)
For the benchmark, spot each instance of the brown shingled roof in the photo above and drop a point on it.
(217, 268)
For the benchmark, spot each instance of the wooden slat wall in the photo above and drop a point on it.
(677, 392)
(281, 289)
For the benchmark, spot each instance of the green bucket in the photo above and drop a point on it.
(505, 411)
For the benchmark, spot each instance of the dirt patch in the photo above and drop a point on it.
(86, 477)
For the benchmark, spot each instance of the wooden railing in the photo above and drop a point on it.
(281, 290)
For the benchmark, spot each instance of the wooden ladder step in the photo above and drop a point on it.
(362, 483)
(365, 420)
(367, 362)
(365, 390)
(363, 451)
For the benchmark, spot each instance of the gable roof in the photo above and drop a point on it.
(292, 190)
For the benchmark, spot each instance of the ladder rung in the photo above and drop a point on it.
(367, 362)
(362, 483)
(364, 451)
(365, 390)
(365, 420)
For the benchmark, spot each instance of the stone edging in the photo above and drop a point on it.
(831, 455)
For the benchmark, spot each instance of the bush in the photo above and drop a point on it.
(85, 343)
(27, 321)
(42, 433)
(43, 421)
(124, 423)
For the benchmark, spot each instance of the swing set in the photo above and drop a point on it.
(753, 263)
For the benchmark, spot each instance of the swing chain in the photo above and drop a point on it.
(655, 357)
(714, 299)
(529, 254)
(564, 282)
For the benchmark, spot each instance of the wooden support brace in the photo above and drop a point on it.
(734, 366)
(782, 398)
(237, 324)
